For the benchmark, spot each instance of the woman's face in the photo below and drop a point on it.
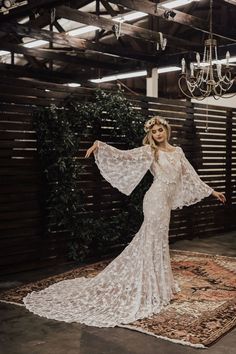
(159, 133)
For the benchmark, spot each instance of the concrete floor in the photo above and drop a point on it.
(21, 332)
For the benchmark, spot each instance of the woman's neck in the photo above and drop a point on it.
(164, 145)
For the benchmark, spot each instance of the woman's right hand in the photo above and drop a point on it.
(220, 196)
(91, 149)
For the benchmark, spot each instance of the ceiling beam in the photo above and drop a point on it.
(25, 31)
(158, 11)
(173, 15)
(122, 52)
(127, 29)
(46, 75)
(109, 8)
(50, 54)
(17, 40)
(104, 23)
(76, 44)
(42, 20)
(232, 2)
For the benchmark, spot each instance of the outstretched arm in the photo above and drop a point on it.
(187, 166)
(91, 149)
(123, 169)
(191, 188)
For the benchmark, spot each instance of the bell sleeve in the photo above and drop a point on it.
(123, 169)
(190, 189)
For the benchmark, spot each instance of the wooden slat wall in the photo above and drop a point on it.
(233, 170)
(214, 137)
(22, 245)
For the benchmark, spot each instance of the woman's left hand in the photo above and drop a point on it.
(220, 196)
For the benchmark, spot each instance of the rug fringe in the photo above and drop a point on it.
(178, 341)
(11, 302)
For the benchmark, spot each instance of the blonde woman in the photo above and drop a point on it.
(139, 282)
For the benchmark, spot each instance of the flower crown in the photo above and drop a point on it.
(152, 121)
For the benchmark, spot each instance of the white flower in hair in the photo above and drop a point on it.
(148, 124)
(152, 121)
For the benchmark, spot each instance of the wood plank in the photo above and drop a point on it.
(127, 29)
(14, 216)
(159, 11)
(30, 92)
(18, 126)
(58, 38)
(19, 117)
(20, 205)
(209, 106)
(39, 74)
(16, 134)
(18, 153)
(35, 178)
(61, 57)
(33, 222)
(18, 144)
(21, 188)
(28, 100)
(29, 164)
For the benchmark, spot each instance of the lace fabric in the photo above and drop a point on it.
(190, 188)
(123, 169)
(139, 282)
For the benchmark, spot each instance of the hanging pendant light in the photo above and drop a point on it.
(211, 77)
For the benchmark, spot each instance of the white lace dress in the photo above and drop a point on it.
(139, 282)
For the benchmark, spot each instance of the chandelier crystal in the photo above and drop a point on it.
(211, 77)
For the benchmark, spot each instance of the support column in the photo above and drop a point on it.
(152, 84)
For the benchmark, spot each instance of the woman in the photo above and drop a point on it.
(139, 282)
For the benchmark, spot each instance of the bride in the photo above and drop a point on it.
(139, 282)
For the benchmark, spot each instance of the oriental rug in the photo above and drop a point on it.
(199, 315)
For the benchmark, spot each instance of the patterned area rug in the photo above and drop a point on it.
(200, 314)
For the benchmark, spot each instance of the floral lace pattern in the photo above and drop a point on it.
(123, 169)
(190, 188)
(139, 282)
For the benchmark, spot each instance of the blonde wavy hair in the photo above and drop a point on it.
(148, 139)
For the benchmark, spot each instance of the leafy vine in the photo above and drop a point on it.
(60, 130)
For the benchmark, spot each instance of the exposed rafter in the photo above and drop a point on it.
(158, 11)
(50, 54)
(76, 44)
(232, 2)
(109, 8)
(63, 77)
(136, 48)
(59, 38)
(171, 16)
(127, 29)
(104, 23)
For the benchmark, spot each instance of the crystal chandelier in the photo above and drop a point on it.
(211, 77)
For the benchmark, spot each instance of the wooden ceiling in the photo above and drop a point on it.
(66, 58)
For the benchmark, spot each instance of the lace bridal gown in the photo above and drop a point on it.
(139, 282)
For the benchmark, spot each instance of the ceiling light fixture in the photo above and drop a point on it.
(72, 84)
(130, 16)
(82, 30)
(176, 3)
(120, 76)
(34, 44)
(4, 52)
(134, 74)
(209, 77)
